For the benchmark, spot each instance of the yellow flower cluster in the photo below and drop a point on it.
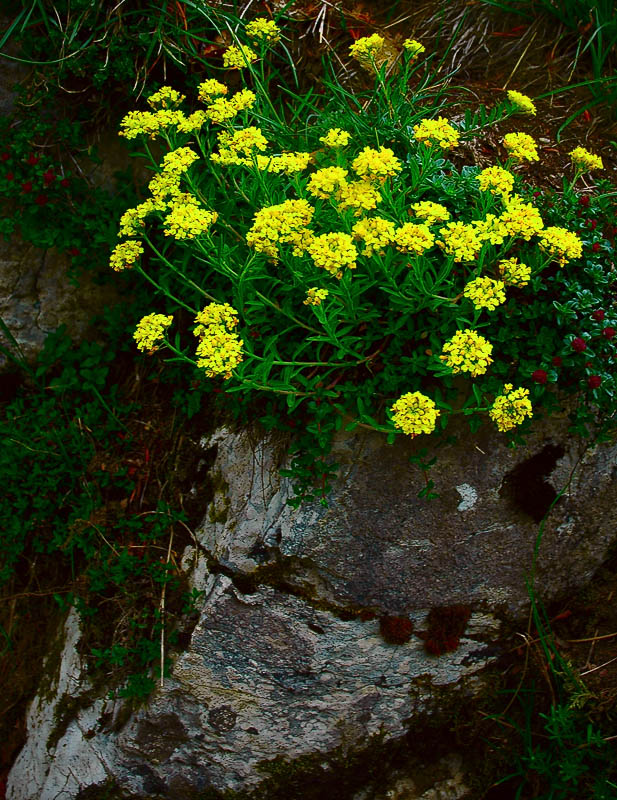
(412, 238)
(430, 212)
(125, 254)
(132, 222)
(496, 180)
(193, 123)
(166, 97)
(325, 182)
(221, 314)
(288, 163)
(220, 349)
(520, 219)
(510, 408)
(335, 137)
(561, 243)
(368, 50)
(360, 195)
(148, 123)
(436, 131)
(178, 161)
(220, 109)
(332, 252)
(414, 413)
(238, 147)
(285, 223)
(371, 164)
(186, 219)
(467, 351)
(522, 102)
(376, 233)
(521, 146)
(263, 30)
(151, 329)
(485, 293)
(513, 273)
(164, 185)
(238, 56)
(413, 47)
(460, 240)
(315, 296)
(210, 89)
(585, 161)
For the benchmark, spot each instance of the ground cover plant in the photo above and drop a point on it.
(387, 285)
(256, 205)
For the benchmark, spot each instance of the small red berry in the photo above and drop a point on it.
(587, 115)
(584, 200)
(27, 186)
(598, 315)
(539, 376)
(65, 182)
(9, 176)
(5, 156)
(594, 381)
(537, 194)
(557, 361)
(608, 333)
(41, 199)
(595, 247)
(73, 251)
(593, 224)
(579, 344)
(33, 160)
(49, 177)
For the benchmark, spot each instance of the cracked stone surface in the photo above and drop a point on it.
(287, 659)
(36, 296)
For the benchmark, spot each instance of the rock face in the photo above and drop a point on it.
(37, 296)
(324, 629)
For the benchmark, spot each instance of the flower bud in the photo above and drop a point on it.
(579, 344)
(539, 376)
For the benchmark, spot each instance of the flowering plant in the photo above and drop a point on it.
(360, 274)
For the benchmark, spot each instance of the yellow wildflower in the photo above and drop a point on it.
(125, 254)
(186, 219)
(325, 182)
(243, 141)
(562, 243)
(460, 241)
(193, 123)
(315, 296)
(414, 413)
(332, 252)
(511, 408)
(166, 97)
(490, 229)
(521, 146)
(285, 223)
(496, 180)
(520, 218)
(148, 123)
(219, 351)
(237, 57)
(219, 314)
(220, 110)
(412, 238)
(430, 212)
(132, 222)
(360, 195)
(413, 47)
(368, 49)
(179, 160)
(513, 273)
(289, 163)
(585, 161)
(467, 351)
(485, 293)
(522, 102)
(376, 233)
(263, 30)
(164, 185)
(151, 329)
(335, 137)
(210, 89)
(373, 164)
(436, 131)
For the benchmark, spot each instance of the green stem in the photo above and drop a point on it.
(180, 274)
(165, 292)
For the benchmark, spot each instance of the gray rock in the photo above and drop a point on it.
(289, 659)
